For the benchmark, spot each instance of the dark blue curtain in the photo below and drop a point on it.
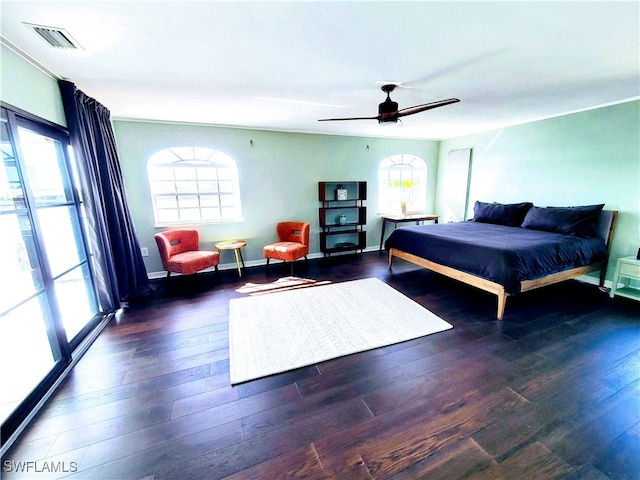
(118, 266)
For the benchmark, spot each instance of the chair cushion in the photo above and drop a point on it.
(287, 251)
(192, 262)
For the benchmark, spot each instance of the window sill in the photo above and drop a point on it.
(195, 223)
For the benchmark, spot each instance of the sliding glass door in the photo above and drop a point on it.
(48, 300)
(60, 229)
(27, 353)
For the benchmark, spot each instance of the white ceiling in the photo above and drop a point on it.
(283, 65)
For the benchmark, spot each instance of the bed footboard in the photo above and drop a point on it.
(493, 287)
(463, 277)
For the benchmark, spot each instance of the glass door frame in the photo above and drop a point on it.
(62, 348)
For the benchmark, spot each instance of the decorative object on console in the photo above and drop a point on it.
(347, 245)
(341, 193)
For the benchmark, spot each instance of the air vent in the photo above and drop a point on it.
(56, 37)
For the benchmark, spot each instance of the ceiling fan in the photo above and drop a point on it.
(388, 110)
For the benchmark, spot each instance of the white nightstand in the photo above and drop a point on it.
(627, 269)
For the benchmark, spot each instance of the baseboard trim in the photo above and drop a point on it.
(251, 263)
(594, 281)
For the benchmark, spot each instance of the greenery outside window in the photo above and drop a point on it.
(194, 185)
(402, 179)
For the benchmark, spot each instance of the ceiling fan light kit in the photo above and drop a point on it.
(388, 112)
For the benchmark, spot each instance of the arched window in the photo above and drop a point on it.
(402, 178)
(194, 185)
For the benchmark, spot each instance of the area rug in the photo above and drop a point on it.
(285, 283)
(283, 331)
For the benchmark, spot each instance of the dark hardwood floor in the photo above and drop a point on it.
(552, 391)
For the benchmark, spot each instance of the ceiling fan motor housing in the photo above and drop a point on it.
(387, 107)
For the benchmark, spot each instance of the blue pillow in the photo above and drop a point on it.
(580, 221)
(510, 215)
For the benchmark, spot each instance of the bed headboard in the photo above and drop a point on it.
(607, 225)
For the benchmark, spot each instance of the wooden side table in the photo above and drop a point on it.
(236, 246)
(627, 269)
(396, 219)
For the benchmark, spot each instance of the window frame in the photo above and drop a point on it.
(390, 198)
(193, 202)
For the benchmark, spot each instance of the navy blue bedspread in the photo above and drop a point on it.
(505, 255)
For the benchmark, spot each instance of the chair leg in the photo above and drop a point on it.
(291, 268)
(217, 273)
(267, 266)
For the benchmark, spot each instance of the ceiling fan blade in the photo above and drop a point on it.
(427, 106)
(351, 118)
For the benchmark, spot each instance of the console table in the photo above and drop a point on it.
(419, 218)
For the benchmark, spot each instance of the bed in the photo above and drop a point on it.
(508, 249)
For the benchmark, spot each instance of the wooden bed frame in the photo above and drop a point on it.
(526, 285)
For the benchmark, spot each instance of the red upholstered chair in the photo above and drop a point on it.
(293, 243)
(180, 252)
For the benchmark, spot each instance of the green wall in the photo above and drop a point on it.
(29, 88)
(279, 175)
(580, 159)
